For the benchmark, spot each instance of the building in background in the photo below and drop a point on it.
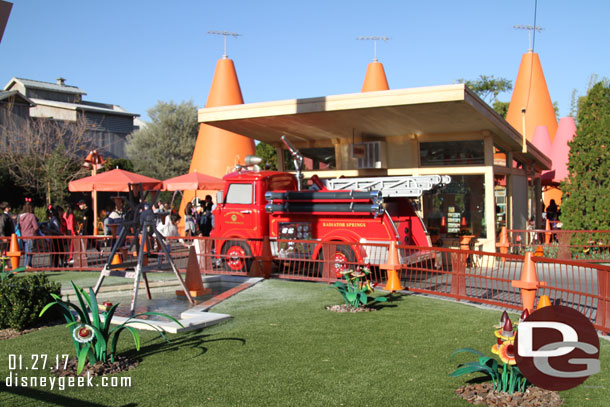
(109, 124)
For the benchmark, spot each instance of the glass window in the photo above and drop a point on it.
(458, 208)
(314, 159)
(438, 154)
(239, 194)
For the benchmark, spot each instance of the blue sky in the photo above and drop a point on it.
(136, 52)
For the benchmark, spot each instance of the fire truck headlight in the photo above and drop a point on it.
(300, 228)
(299, 235)
(284, 230)
(291, 231)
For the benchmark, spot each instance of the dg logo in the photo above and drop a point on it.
(557, 348)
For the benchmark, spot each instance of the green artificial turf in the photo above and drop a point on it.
(89, 278)
(283, 348)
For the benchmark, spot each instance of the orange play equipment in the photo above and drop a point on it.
(528, 283)
(14, 252)
(375, 78)
(532, 94)
(216, 150)
(392, 267)
(193, 282)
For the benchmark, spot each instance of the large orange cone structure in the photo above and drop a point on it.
(392, 267)
(193, 281)
(13, 252)
(528, 283)
(531, 93)
(216, 150)
(375, 78)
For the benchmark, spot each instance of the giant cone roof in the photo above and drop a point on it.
(531, 93)
(375, 78)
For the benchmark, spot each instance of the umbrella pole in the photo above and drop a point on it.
(94, 201)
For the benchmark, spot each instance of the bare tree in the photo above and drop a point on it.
(43, 155)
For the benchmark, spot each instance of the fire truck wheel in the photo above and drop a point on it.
(237, 255)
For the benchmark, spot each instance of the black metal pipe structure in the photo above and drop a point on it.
(301, 207)
(322, 195)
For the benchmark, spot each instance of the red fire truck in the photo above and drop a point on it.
(256, 203)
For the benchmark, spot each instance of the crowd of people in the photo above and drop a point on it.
(198, 217)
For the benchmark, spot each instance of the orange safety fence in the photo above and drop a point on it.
(464, 275)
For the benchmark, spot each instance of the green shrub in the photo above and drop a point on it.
(22, 299)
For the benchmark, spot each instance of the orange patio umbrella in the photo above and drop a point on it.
(193, 181)
(116, 180)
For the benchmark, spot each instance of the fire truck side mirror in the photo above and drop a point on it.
(219, 197)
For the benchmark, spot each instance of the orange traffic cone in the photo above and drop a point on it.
(547, 234)
(392, 267)
(544, 301)
(503, 244)
(443, 225)
(14, 252)
(539, 252)
(528, 283)
(193, 280)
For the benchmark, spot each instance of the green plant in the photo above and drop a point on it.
(5, 275)
(91, 335)
(506, 378)
(22, 298)
(357, 288)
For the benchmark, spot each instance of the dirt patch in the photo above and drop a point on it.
(9, 333)
(484, 394)
(121, 364)
(346, 308)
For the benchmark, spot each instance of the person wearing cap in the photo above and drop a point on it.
(6, 224)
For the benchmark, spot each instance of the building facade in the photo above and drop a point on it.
(445, 130)
(107, 124)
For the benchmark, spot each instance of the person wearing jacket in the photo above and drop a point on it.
(28, 224)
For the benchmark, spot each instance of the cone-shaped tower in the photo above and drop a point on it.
(542, 140)
(561, 150)
(375, 78)
(531, 93)
(216, 150)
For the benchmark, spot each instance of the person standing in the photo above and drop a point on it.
(54, 231)
(71, 229)
(28, 224)
(87, 225)
(207, 223)
(189, 221)
(6, 225)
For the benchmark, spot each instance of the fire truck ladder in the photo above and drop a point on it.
(407, 186)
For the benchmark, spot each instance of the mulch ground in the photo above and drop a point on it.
(484, 393)
(121, 364)
(9, 333)
(345, 308)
